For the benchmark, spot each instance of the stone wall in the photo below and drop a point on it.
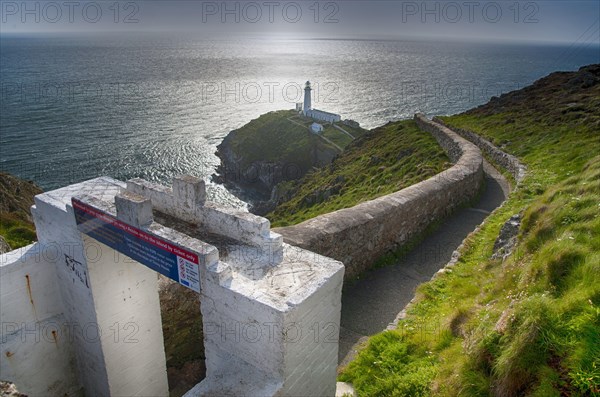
(505, 160)
(359, 235)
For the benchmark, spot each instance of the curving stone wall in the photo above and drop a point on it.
(505, 160)
(359, 235)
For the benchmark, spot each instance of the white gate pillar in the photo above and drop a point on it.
(110, 302)
(127, 305)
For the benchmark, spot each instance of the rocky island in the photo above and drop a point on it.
(278, 147)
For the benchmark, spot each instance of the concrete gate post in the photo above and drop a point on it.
(110, 301)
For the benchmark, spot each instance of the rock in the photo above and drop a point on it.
(351, 123)
(343, 389)
(8, 389)
(339, 180)
(259, 156)
(182, 332)
(310, 199)
(507, 239)
(16, 196)
(4, 246)
(374, 160)
(404, 153)
(593, 69)
(584, 79)
(504, 320)
(545, 95)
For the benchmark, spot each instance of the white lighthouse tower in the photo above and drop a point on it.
(307, 110)
(307, 99)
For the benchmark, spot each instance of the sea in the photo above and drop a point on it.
(78, 107)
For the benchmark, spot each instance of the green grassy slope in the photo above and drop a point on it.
(284, 137)
(383, 161)
(528, 325)
(16, 197)
(272, 137)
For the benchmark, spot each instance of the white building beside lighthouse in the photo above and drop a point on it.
(316, 114)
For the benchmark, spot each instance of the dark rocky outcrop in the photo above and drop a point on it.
(16, 199)
(16, 196)
(507, 239)
(536, 96)
(4, 247)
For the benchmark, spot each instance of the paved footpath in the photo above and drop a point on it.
(370, 304)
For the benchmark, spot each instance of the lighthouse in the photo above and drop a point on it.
(307, 104)
(307, 110)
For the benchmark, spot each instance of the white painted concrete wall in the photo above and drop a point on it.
(128, 316)
(110, 301)
(35, 347)
(277, 332)
(55, 226)
(214, 218)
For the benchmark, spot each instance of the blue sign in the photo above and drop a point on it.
(155, 252)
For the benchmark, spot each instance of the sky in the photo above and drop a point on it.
(498, 21)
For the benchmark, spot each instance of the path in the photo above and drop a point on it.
(344, 131)
(373, 302)
(319, 135)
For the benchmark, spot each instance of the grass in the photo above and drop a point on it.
(278, 147)
(182, 334)
(528, 325)
(16, 231)
(330, 132)
(383, 161)
(283, 137)
(336, 136)
(399, 367)
(288, 143)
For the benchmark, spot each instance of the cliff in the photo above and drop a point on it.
(560, 97)
(16, 224)
(274, 148)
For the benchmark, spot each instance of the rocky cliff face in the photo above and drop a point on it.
(257, 182)
(16, 195)
(541, 96)
(4, 247)
(16, 223)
